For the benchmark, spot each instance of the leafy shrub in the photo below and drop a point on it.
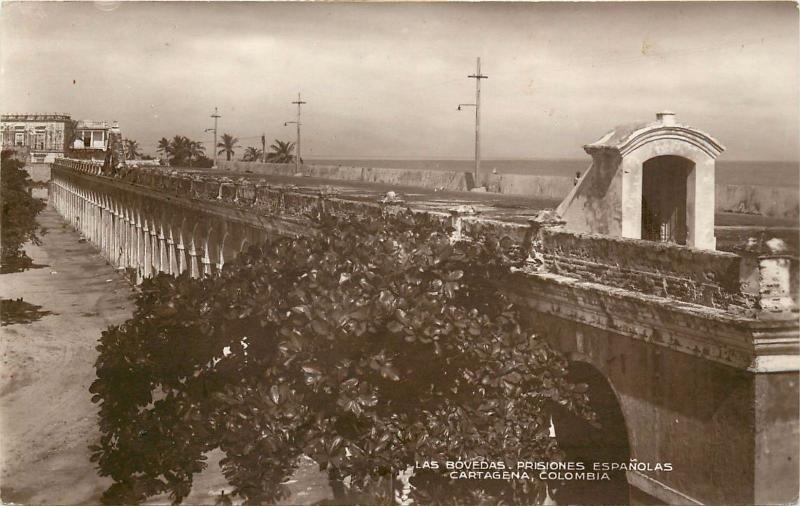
(367, 345)
(19, 214)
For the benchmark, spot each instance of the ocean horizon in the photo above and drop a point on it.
(762, 173)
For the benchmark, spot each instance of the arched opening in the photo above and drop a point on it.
(664, 182)
(589, 444)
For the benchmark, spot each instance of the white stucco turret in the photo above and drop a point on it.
(648, 181)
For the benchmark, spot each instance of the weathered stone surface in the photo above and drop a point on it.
(703, 379)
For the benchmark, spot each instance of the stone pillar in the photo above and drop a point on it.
(124, 230)
(542, 221)
(137, 249)
(78, 212)
(777, 469)
(181, 253)
(221, 260)
(147, 256)
(163, 260)
(133, 257)
(112, 238)
(84, 215)
(107, 217)
(119, 227)
(101, 236)
(173, 261)
(112, 235)
(766, 273)
(207, 269)
(700, 206)
(119, 250)
(98, 224)
(194, 268)
(89, 223)
(127, 241)
(629, 182)
(156, 254)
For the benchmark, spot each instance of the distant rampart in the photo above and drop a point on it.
(546, 187)
(780, 202)
(777, 201)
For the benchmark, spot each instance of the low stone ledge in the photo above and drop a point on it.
(707, 278)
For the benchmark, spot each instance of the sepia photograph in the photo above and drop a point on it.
(400, 253)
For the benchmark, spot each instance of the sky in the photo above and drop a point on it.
(384, 80)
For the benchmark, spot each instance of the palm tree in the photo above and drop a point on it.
(195, 150)
(282, 152)
(131, 149)
(227, 144)
(163, 146)
(176, 150)
(182, 150)
(251, 154)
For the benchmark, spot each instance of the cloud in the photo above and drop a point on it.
(384, 79)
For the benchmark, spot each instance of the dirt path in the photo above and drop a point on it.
(47, 415)
(47, 419)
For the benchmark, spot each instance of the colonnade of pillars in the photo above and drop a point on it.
(128, 239)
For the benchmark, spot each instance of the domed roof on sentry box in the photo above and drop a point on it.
(626, 138)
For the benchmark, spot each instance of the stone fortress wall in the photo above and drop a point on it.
(699, 346)
(772, 201)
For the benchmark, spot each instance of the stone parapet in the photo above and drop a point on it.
(705, 277)
(723, 281)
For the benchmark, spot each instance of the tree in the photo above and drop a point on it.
(370, 344)
(282, 152)
(203, 162)
(228, 143)
(163, 146)
(184, 151)
(131, 149)
(251, 154)
(176, 150)
(195, 150)
(19, 214)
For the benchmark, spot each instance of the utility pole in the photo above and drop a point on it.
(477, 76)
(299, 103)
(297, 157)
(216, 116)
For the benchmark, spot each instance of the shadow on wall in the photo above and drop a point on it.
(582, 442)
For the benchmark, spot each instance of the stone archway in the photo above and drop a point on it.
(664, 198)
(606, 441)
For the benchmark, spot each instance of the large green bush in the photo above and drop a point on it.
(369, 345)
(19, 214)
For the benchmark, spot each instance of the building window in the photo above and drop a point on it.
(19, 139)
(97, 139)
(87, 138)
